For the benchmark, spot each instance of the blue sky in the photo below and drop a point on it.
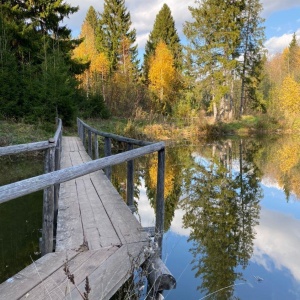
(282, 18)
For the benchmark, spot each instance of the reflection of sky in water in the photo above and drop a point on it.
(276, 253)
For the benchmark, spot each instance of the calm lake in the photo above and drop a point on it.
(232, 217)
(20, 219)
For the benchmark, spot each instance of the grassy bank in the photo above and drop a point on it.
(152, 129)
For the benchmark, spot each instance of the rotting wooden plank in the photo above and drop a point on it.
(21, 283)
(59, 287)
(110, 276)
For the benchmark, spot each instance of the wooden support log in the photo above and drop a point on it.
(159, 277)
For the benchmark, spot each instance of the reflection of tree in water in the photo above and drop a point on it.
(221, 212)
(178, 162)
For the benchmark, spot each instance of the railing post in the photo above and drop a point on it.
(107, 152)
(130, 179)
(83, 136)
(96, 148)
(160, 202)
(90, 143)
(48, 203)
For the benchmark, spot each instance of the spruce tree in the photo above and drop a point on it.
(214, 37)
(251, 45)
(163, 30)
(114, 27)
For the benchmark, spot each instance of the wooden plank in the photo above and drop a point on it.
(99, 230)
(21, 283)
(22, 148)
(114, 271)
(127, 227)
(57, 286)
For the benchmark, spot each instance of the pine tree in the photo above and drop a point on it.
(163, 30)
(114, 26)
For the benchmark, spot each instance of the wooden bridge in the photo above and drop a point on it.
(91, 242)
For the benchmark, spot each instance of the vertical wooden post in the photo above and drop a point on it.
(83, 136)
(107, 152)
(96, 148)
(90, 143)
(48, 204)
(160, 202)
(78, 127)
(130, 179)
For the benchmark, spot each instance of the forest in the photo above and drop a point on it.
(221, 72)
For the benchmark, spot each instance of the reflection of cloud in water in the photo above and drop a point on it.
(278, 239)
(147, 216)
(145, 212)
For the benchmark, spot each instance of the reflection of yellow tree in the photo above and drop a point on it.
(169, 175)
(288, 158)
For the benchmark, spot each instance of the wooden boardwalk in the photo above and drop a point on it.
(97, 236)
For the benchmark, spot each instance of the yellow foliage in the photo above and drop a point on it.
(288, 158)
(162, 73)
(289, 97)
(169, 175)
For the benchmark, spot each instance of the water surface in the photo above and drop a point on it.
(232, 217)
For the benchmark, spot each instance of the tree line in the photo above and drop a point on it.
(222, 69)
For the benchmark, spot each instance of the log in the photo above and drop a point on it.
(158, 275)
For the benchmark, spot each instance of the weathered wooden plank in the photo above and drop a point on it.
(27, 186)
(20, 284)
(97, 225)
(114, 271)
(57, 286)
(128, 228)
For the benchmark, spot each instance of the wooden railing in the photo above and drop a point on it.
(53, 176)
(52, 149)
(89, 137)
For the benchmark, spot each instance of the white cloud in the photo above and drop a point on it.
(270, 6)
(276, 44)
(278, 241)
(143, 14)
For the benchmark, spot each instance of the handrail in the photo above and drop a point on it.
(113, 136)
(27, 186)
(92, 146)
(36, 146)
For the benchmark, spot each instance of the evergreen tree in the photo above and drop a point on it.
(214, 37)
(163, 30)
(114, 27)
(92, 19)
(252, 38)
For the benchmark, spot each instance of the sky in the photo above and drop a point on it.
(282, 19)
